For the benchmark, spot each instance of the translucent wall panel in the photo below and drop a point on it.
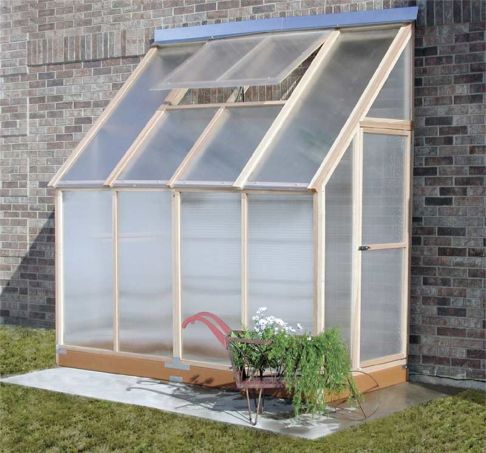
(383, 188)
(145, 272)
(339, 247)
(255, 60)
(394, 98)
(231, 144)
(163, 151)
(211, 269)
(127, 120)
(309, 132)
(381, 303)
(87, 267)
(280, 257)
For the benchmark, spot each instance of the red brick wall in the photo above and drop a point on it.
(61, 63)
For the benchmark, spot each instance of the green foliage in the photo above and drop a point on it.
(34, 420)
(316, 367)
(23, 349)
(313, 367)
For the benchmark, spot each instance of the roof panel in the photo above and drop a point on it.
(255, 60)
(309, 131)
(115, 136)
(229, 146)
(165, 148)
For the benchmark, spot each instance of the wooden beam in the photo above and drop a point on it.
(386, 123)
(104, 116)
(174, 97)
(356, 260)
(58, 231)
(383, 360)
(385, 131)
(231, 104)
(176, 275)
(319, 224)
(205, 374)
(386, 246)
(287, 109)
(116, 310)
(406, 284)
(244, 260)
(362, 106)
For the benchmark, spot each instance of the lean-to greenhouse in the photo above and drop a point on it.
(248, 164)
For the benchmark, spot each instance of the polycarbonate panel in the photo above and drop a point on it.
(339, 247)
(381, 303)
(383, 188)
(145, 272)
(255, 60)
(121, 128)
(87, 269)
(280, 257)
(308, 133)
(394, 98)
(211, 271)
(209, 63)
(231, 144)
(274, 59)
(165, 148)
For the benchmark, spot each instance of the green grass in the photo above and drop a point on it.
(38, 421)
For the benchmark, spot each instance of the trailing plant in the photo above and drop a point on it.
(312, 367)
(316, 367)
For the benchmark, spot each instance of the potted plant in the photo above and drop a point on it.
(310, 368)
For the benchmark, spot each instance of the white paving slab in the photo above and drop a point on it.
(218, 405)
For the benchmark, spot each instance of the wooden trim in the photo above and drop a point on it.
(229, 104)
(58, 232)
(176, 274)
(206, 374)
(385, 123)
(385, 246)
(287, 109)
(357, 238)
(244, 260)
(362, 106)
(406, 283)
(116, 318)
(319, 260)
(370, 380)
(372, 27)
(201, 363)
(174, 97)
(385, 131)
(104, 116)
(198, 146)
(382, 360)
(144, 367)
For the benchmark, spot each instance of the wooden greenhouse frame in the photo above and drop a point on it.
(373, 373)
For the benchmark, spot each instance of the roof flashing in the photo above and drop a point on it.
(281, 24)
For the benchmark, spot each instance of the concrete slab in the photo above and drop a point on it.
(222, 406)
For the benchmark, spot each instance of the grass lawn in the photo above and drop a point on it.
(38, 421)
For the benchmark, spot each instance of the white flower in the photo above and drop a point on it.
(299, 326)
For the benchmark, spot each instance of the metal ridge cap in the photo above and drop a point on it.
(280, 24)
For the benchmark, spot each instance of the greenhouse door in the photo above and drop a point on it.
(382, 243)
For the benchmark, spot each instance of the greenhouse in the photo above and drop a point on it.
(243, 165)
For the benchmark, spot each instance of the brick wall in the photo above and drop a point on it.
(62, 61)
